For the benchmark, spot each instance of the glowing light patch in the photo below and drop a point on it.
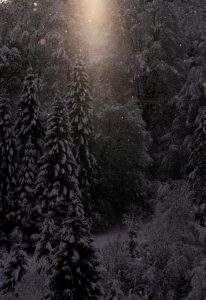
(95, 13)
(42, 42)
(94, 10)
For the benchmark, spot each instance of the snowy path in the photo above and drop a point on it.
(102, 240)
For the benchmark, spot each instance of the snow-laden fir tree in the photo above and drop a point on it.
(80, 111)
(7, 168)
(27, 175)
(28, 128)
(43, 251)
(197, 167)
(74, 272)
(15, 265)
(58, 171)
(28, 121)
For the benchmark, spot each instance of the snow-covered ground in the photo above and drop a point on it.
(102, 240)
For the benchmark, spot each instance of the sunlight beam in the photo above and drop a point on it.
(94, 10)
(95, 14)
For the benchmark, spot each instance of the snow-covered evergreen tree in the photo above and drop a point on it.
(74, 269)
(7, 167)
(26, 178)
(58, 193)
(15, 265)
(80, 111)
(28, 121)
(197, 168)
(15, 268)
(43, 251)
(56, 180)
(190, 100)
(29, 134)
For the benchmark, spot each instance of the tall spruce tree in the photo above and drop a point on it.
(28, 124)
(15, 265)
(80, 111)
(27, 175)
(29, 134)
(7, 169)
(74, 273)
(58, 170)
(197, 168)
